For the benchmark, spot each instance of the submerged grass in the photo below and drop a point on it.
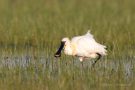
(30, 32)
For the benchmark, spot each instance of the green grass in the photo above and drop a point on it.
(30, 33)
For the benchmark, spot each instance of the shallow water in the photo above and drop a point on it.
(40, 72)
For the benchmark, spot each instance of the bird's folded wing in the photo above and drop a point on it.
(86, 44)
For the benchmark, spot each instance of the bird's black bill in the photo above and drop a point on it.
(58, 53)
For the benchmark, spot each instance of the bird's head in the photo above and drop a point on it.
(64, 41)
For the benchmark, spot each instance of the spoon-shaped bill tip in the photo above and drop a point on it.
(58, 53)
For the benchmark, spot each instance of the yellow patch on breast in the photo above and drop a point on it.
(73, 46)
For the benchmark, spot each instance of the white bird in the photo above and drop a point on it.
(83, 47)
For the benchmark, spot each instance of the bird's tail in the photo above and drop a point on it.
(104, 50)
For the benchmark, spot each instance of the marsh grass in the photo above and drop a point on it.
(30, 33)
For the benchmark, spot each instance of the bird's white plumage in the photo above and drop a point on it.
(84, 46)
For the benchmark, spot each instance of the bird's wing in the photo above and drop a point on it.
(86, 44)
(77, 38)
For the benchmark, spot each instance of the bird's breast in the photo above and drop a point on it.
(67, 50)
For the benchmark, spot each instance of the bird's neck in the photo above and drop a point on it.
(69, 49)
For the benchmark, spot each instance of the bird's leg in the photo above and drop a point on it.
(81, 60)
(99, 56)
(95, 62)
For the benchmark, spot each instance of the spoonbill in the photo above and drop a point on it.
(83, 47)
